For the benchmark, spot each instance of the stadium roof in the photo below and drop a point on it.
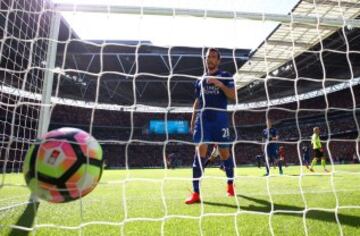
(156, 75)
(288, 45)
(337, 57)
(288, 41)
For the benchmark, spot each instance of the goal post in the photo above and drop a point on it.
(160, 11)
(27, 109)
(44, 116)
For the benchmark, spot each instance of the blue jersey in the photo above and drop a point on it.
(270, 135)
(211, 122)
(211, 97)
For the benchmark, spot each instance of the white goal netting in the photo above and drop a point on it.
(25, 30)
(296, 65)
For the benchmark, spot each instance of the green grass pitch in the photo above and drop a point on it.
(151, 202)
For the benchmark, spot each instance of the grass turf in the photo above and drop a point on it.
(151, 202)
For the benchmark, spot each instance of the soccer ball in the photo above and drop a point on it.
(65, 165)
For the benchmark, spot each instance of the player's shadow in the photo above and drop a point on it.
(265, 207)
(26, 219)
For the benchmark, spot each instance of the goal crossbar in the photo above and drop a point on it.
(163, 11)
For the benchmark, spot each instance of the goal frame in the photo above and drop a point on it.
(44, 118)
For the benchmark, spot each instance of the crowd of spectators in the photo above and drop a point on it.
(127, 143)
(124, 135)
(132, 144)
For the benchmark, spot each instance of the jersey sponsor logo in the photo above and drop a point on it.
(211, 89)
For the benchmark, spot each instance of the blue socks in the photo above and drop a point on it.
(280, 167)
(267, 165)
(197, 171)
(229, 170)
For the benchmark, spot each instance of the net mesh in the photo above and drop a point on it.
(113, 89)
(24, 32)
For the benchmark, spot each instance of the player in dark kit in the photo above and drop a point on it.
(270, 135)
(210, 121)
(259, 159)
(171, 161)
(306, 155)
(213, 156)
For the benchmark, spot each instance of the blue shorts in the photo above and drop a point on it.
(212, 131)
(272, 154)
(306, 158)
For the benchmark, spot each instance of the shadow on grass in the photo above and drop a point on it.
(265, 206)
(26, 219)
(312, 175)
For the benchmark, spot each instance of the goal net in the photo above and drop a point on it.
(25, 28)
(125, 72)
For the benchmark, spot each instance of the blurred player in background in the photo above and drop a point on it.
(259, 159)
(282, 158)
(318, 150)
(306, 155)
(171, 161)
(213, 156)
(210, 121)
(270, 135)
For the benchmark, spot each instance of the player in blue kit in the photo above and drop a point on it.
(258, 158)
(306, 155)
(270, 134)
(210, 121)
